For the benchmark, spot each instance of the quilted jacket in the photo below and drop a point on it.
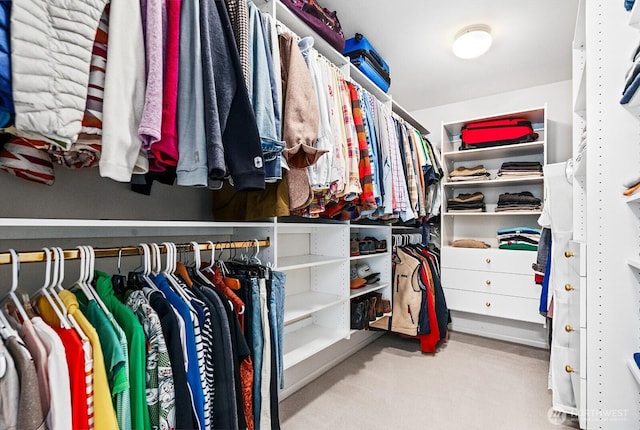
(51, 43)
(6, 101)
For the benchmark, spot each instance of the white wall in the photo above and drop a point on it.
(559, 120)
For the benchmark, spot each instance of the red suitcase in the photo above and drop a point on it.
(497, 132)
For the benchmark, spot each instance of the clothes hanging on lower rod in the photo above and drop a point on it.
(419, 306)
(175, 349)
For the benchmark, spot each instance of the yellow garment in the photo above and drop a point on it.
(103, 412)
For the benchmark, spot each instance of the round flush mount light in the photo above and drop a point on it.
(472, 41)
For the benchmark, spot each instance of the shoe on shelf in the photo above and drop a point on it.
(379, 306)
(386, 306)
(372, 308)
(354, 248)
(366, 247)
(379, 246)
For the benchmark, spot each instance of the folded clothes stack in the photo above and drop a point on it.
(466, 203)
(522, 201)
(513, 169)
(519, 238)
(476, 173)
(470, 243)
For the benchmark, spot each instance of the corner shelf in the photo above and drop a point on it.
(634, 262)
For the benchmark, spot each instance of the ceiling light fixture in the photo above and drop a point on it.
(472, 41)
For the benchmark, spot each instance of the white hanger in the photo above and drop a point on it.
(56, 306)
(255, 259)
(198, 263)
(146, 267)
(6, 331)
(14, 285)
(168, 272)
(209, 268)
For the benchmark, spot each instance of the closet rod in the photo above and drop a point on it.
(74, 254)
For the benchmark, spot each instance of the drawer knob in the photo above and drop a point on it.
(488, 282)
(569, 287)
(568, 328)
(568, 254)
(488, 304)
(488, 260)
(569, 369)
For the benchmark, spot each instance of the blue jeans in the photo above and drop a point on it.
(256, 348)
(276, 306)
(261, 95)
(272, 155)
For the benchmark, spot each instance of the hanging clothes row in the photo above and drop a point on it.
(212, 91)
(346, 155)
(187, 346)
(419, 307)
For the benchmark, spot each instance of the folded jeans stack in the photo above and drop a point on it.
(466, 203)
(522, 201)
(476, 173)
(519, 238)
(516, 169)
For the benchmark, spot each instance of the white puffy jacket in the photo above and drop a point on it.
(51, 44)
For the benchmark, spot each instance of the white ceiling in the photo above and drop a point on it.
(531, 45)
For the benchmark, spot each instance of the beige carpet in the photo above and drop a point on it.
(471, 383)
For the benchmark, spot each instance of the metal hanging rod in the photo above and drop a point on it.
(74, 254)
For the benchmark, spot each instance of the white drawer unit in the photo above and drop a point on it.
(490, 260)
(505, 284)
(494, 305)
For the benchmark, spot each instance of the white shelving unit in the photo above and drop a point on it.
(609, 223)
(491, 292)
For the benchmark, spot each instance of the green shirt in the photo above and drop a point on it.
(137, 350)
(114, 350)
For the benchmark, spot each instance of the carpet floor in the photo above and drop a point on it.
(471, 383)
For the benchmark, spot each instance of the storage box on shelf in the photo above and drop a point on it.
(315, 260)
(493, 283)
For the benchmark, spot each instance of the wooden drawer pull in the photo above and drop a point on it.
(488, 282)
(488, 260)
(568, 328)
(568, 254)
(488, 304)
(569, 369)
(569, 287)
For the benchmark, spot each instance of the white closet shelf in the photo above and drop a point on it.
(520, 149)
(365, 256)
(298, 306)
(409, 118)
(634, 262)
(368, 85)
(307, 341)
(580, 102)
(352, 331)
(308, 260)
(300, 28)
(633, 198)
(43, 228)
(489, 214)
(497, 182)
(369, 288)
(633, 367)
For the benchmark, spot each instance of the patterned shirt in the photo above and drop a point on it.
(353, 152)
(160, 389)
